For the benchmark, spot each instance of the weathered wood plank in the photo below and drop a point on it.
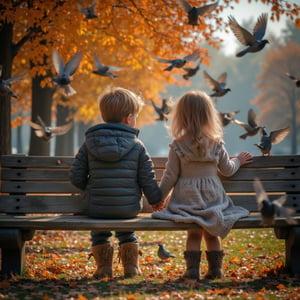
(63, 174)
(32, 161)
(42, 204)
(143, 222)
(67, 187)
(38, 187)
(159, 162)
(36, 174)
(75, 203)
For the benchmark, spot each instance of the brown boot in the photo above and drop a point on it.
(103, 255)
(129, 254)
(192, 260)
(215, 260)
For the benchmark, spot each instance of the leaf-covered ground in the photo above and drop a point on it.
(57, 267)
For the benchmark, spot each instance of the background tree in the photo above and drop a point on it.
(278, 99)
(127, 33)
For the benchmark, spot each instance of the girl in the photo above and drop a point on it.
(196, 154)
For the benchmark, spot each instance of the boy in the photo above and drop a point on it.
(113, 168)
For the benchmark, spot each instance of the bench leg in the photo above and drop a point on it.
(12, 243)
(292, 247)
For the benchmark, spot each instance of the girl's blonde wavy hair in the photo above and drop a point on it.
(195, 116)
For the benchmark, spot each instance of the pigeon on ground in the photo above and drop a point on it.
(179, 62)
(275, 137)
(194, 12)
(254, 42)
(190, 72)
(226, 117)
(45, 132)
(88, 11)
(217, 86)
(162, 253)
(270, 209)
(5, 88)
(65, 71)
(293, 78)
(104, 70)
(251, 127)
(164, 109)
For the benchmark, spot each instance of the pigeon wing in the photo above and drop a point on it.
(60, 130)
(195, 55)
(207, 9)
(184, 5)
(73, 63)
(97, 62)
(279, 135)
(222, 78)
(261, 195)
(164, 60)
(58, 62)
(243, 35)
(212, 83)
(252, 118)
(260, 26)
(35, 125)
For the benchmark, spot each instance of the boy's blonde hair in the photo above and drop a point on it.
(116, 103)
(195, 116)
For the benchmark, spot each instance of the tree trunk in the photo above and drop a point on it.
(6, 60)
(41, 105)
(64, 144)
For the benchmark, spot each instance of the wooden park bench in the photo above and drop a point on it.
(36, 194)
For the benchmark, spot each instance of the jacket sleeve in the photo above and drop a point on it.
(147, 178)
(79, 172)
(227, 166)
(171, 173)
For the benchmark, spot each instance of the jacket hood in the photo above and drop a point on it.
(110, 141)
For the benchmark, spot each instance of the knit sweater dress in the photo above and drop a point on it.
(197, 194)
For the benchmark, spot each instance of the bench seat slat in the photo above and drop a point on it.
(143, 222)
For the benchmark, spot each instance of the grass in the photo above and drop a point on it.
(57, 267)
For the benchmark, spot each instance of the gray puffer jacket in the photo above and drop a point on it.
(113, 169)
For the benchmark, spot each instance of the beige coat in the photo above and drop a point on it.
(197, 194)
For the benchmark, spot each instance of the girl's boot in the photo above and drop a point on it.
(129, 254)
(215, 260)
(192, 260)
(103, 255)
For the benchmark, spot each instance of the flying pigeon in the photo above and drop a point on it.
(162, 253)
(164, 109)
(295, 79)
(251, 127)
(179, 62)
(65, 71)
(254, 42)
(270, 209)
(88, 11)
(45, 132)
(217, 86)
(190, 72)
(104, 70)
(194, 12)
(5, 88)
(226, 117)
(275, 137)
